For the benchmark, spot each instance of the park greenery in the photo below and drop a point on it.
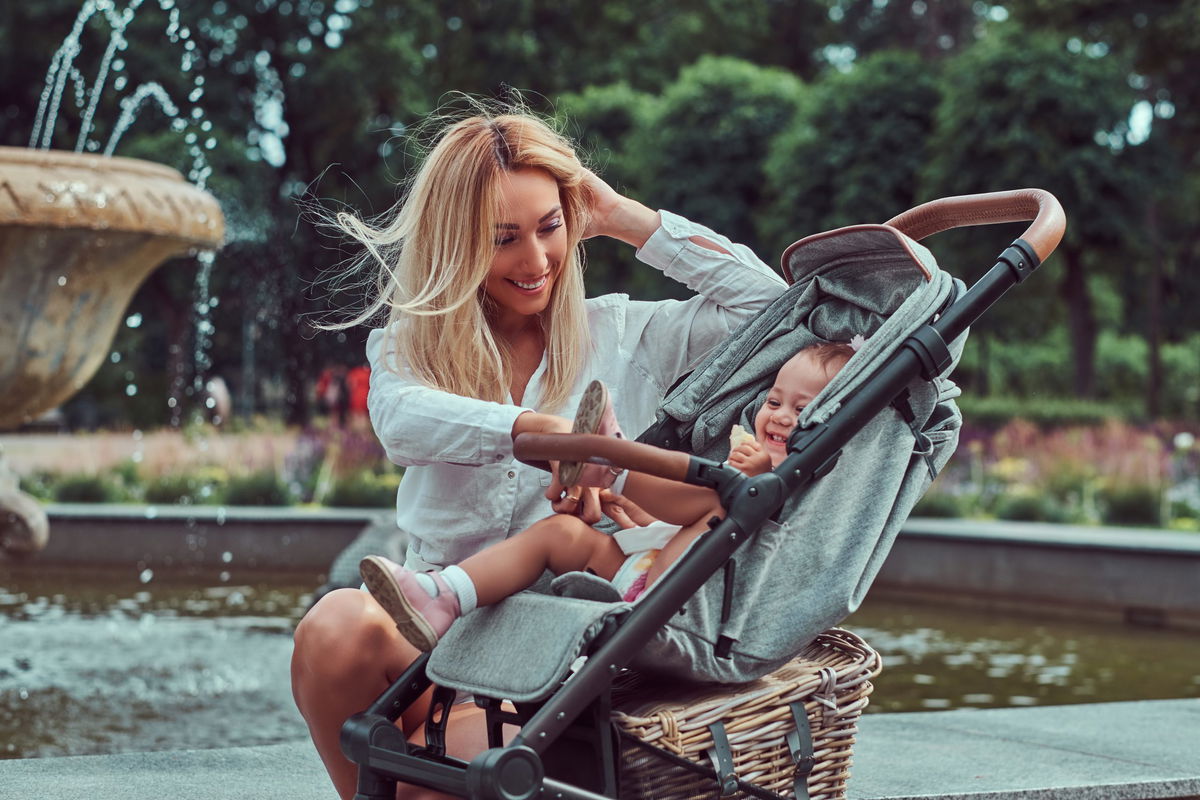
(767, 120)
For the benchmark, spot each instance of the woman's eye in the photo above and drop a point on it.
(552, 226)
(503, 240)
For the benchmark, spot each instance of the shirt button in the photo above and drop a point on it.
(512, 474)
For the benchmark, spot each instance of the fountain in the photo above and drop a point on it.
(78, 235)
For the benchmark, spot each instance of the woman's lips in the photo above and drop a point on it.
(529, 287)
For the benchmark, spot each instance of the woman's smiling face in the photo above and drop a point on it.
(531, 244)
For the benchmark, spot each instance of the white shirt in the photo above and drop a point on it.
(462, 488)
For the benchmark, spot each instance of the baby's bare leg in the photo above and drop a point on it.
(680, 542)
(560, 543)
(671, 501)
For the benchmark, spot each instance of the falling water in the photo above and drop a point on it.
(193, 125)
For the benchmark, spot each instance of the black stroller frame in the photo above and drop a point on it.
(566, 747)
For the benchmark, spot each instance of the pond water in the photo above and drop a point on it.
(102, 662)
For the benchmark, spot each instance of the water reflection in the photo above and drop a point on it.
(94, 662)
(937, 657)
(107, 664)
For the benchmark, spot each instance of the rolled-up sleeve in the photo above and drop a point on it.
(410, 419)
(732, 287)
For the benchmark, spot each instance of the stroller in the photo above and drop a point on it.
(794, 555)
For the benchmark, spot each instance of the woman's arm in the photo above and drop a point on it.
(623, 218)
(419, 425)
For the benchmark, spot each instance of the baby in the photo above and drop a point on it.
(660, 518)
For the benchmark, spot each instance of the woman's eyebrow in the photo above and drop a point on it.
(512, 226)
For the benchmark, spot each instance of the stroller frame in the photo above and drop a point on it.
(549, 755)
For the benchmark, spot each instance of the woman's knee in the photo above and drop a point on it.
(343, 629)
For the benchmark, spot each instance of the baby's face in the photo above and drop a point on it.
(796, 384)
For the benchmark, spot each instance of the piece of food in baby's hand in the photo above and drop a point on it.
(739, 435)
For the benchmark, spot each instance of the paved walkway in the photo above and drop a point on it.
(1132, 751)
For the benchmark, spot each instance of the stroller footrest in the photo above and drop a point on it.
(520, 649)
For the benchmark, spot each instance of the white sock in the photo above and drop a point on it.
(461, 584)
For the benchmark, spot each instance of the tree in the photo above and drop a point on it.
(1021, 109)
(702, 149)
(856, 149)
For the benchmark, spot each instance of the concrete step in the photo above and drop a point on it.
(1104, 751)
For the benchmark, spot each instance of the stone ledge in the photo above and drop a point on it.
(1106, 751)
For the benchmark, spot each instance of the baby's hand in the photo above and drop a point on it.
(623, 511)
(750, 458)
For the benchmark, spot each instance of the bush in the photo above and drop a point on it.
(86, 489)
(364, 489)
(39, 485)
(1131, 504)
(941, 505)
(1046, 412)
(1030, 507)
(173, 489)
(257, 489)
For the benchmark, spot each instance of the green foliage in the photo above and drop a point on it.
(837, 165)
(942, 505)
(198, 486)
(703, 146)
(1131, 504)
(997, 411)
(39, 484)
(364, 489)
(263, 488)
(1030, 507)
(82, 488)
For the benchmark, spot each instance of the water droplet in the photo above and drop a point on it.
(224, 577)
(136, 457)
(62, 280)
(132, 321)
(151, 512)
(226, 557)
(130, 390)
(146, 575)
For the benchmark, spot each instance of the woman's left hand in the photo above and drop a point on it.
(578, 501)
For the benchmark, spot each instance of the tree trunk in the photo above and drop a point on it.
(1154, 315)
(1081, 322)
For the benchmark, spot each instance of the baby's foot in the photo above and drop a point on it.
(421, 616)
(595, 415)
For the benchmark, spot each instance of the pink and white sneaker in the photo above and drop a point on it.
(421, 619)
(594, 415)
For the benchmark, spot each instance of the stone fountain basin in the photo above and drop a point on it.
(78, 235)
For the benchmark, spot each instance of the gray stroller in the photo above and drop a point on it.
(795, 554)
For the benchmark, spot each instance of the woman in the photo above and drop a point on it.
(490, 336)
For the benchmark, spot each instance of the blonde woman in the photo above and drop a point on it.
(489, 336)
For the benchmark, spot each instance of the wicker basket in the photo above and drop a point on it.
(663, 729)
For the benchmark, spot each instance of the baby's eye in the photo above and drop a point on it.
(772, 404)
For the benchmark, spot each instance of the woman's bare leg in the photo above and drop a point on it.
(560, 543)
(347, 652)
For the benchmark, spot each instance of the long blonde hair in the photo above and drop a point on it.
(433, 258)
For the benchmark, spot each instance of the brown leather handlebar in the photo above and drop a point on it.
(537, 448)
(1019, 205)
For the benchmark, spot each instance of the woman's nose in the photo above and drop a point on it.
(535, 254)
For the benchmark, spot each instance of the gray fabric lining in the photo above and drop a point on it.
(520, 649)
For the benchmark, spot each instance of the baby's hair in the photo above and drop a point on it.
(828, 352)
